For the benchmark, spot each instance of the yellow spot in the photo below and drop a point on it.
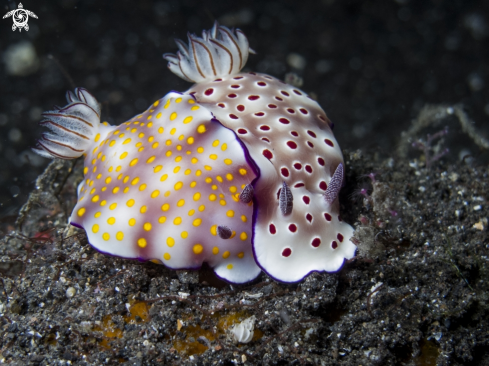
(200, 149)
(177, 220)
(173, 130)
(99, 176)
(178, 159)
(215, 143)
(208, 180)
(178, 185)
(123, 155)
(132, 222)
(163, 177)
(166, 256)
(207, 167)
(97, 214)
(222, 202)
(111, 168)
(97, 137)
(198, 173)
(212, 197)
(147, 226)
(118, 169)
(155, 193)
(201, 129)
(130, 203)
(139, 144)
(108, 180)
(224, 147)
(201, 208)
(170, 241)
(194, 160)
(85, 170)
(215, 250)
(142, 242)
(229, 176)
(214, 187)
(176, 169)
(179, 147)
(111, 220)
(157, 168)
(155, 145)
(168, 153)
(230, 213)
(142, 187)
(126, 178)
(162, 219)
(178, 100)
(95, 198)
(181, 202)
(167, 193)
(188, 171)
(229, 266)
(143, 209)
(133, 162)
(193, 184)
(106, 236)
(112, 143)
(214, 230)
(161, 129)
(242, 171)
(191, 212)
(151, 159)
(116, 132)
(155, 104)
(213, 156)
(173, 116)
(95, 228)
(243, 236)
(134, 130)
(198, 248)
(228, 161)
(243, 218)
(141, 135)
(126, 190)
(165, 207)
(188, 119)
(119, 236)
(191, 101)
(190, 140)
(126, 141)
(219, 178)
(197, 222)
(196, 197)
(81, 211)
(184, 235)
(226, 254)
(195, 107)
(103, 203)
(233, 189)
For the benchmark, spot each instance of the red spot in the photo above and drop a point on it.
(265, 128)
(233, 116)
(285, 121)
(285, 93)
(306, 199)
(294, 133)
(261, 83)
(290, 110)
(265, 139)
(232, 95)
(298, 185)
(322, 118)
(240, 108)
(217, 80)
(252, 73)
(221, 105)
(298, 166)
(272, 229)
(321, 161)
(278, 193)
(292, 144)
(329, 142)
(268, 154)
(309, 217)
(310, 133)
(238, 78)
(297, 92)
(334, 244)
(209, 91)
(292, 228)
(323, 185)
(279, 99)
(308, 169)
(259, 114)
(286, 252)
(310, 144)
(328, 217)
(316, 242)
(235, 86)
(340, 238)
(285, 172)
(304, 111)
(272, 106)
(339, 218)
(254, 97)
(242, 131)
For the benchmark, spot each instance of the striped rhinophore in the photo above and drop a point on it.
(73, 127)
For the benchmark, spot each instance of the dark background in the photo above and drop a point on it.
(371, 64)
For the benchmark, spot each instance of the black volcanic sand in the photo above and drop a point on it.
(416, 294)
(371, 64)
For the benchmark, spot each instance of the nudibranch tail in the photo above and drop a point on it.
(74, 127)
(220, 52)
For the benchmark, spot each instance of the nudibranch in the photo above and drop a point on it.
(242, 171)
(296, 224)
